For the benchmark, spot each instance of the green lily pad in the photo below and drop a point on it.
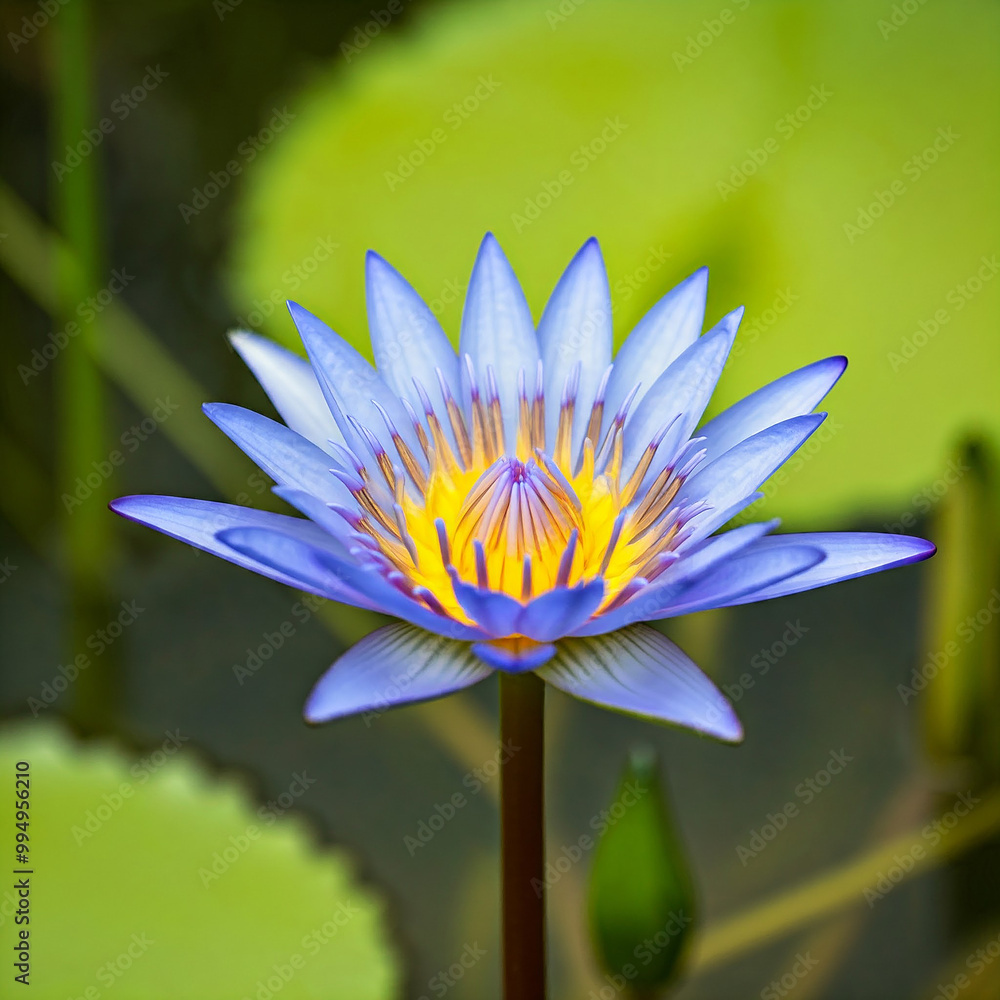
(833, 162)
(152, 878)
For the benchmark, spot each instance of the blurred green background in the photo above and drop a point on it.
(175, 169)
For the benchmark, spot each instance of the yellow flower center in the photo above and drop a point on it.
(519, 522)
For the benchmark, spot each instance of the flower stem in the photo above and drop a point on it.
(522, 835)
(89, 543)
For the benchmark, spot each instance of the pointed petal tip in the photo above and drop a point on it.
(120, 505)
(218, 411)
(133, 506)
(920, 548)
(729, 324)
(375, 262)
(734, 734)
(317, 708)
(247, 343)
(299, 313)
(381, 275)
(590, 257)
(490, 251)
(699, 276)
(836, 365)
(695, 284)
(722, 723)
(310, 715)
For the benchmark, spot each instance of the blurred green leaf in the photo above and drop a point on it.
(180, 885)
(547, 127)
(641, 898)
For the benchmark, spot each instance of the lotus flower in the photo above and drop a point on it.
(526, 502)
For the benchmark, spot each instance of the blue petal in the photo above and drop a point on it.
(697, 562)
(848, 554)
(296, 556)
(291, 385)
(395, 665)
(700, 558)
(735, 475)
(750, 571)
(529, 656)
(790, 396)
(682, 391)
(497, 330)
(494, 612)
(351, 386)
(319, 513)
(662, 335)
(575, 328)
(560, 611)
(407, 339)
(288, 458)
(640, 671)
(701, 524)
(198, 522)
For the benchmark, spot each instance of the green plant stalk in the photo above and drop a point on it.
(127, 353)
(80, 402)
(522, 836)
(838, 888)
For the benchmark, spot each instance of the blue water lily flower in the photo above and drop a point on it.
(524, 503)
